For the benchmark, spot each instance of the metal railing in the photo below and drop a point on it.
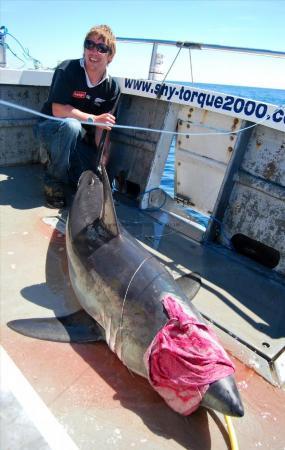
(194, 46)
(199, 46)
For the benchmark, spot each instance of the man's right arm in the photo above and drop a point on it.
(66, 110)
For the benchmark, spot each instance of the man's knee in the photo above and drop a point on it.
(71, 126)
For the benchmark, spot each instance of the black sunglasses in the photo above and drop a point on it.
(101, 48)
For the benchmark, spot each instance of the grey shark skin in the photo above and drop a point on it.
(121, 286)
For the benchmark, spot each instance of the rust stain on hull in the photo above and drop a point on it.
(235, 123)
(270, 170)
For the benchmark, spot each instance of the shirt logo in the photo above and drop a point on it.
(79, 94)
(98, 101)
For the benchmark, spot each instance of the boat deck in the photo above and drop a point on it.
(72, 396)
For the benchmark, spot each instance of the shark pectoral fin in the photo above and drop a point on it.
(77, 327)
(190, 284)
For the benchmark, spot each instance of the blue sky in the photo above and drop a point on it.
(53, 30)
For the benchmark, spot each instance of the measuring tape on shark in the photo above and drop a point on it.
(131, 127)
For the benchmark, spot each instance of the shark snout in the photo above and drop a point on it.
(88, 178)
(223, 396)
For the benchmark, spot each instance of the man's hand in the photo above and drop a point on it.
(106, 118)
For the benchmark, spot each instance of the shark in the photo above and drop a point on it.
(120, 286)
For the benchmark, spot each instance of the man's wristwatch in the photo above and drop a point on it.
(90, 119)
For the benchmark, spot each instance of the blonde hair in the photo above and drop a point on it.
(105, 33)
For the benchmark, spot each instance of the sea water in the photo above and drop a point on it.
(273, 96)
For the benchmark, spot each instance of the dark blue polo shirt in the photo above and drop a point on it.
(69, 86)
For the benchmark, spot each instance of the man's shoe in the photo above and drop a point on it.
(54, 197)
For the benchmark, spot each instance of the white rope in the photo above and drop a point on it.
(191, 70)
(172, 64)
(130, 127)
(128, 287)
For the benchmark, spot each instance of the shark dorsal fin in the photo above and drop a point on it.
(108, 215)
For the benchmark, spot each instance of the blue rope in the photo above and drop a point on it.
(5, 30)
(18, 118)
(13, 53)
(157, 208)
(26, 53)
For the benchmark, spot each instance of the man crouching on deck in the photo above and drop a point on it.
(81, 90)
